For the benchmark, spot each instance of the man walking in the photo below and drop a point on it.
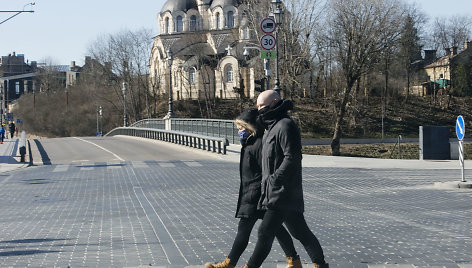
(281, 192)
(12, 129)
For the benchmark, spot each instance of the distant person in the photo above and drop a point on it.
(12, 129)
(249, 194)
(281, 188)
(2, 134)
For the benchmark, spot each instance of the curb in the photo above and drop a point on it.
(453, 185)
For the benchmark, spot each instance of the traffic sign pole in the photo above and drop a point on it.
(461, 158)
(460, 132)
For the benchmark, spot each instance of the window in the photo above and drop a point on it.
(191, 76)
(17, 88)
(245, 33)
(229, 73)
(230, 23)
(166, 26)
(217, 24)
(193, 23)
(180, 24)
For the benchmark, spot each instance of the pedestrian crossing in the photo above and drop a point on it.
(112, 165)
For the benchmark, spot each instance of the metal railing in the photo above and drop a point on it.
(208, 127)
(150, 123)
(214, 144)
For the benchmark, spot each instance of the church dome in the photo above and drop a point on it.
(179, 5)
(223, 3)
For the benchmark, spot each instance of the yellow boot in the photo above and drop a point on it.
(223, 264)
(294, 263)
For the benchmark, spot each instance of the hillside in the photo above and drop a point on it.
(364, 120)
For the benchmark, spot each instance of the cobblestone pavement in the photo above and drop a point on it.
(181, 213)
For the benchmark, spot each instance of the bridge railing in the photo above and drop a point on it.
(150, 123)
(207, 127)
(213, 144)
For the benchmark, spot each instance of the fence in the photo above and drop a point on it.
(214, 144)
(207, 127)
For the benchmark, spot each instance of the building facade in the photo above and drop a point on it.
(441, 72)
(16, 77)
(206, 39)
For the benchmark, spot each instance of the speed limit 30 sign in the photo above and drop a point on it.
(268, 42)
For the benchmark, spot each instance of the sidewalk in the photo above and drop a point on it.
(9, 156)
(361, 162)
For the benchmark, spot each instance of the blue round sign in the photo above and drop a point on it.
(460, 127)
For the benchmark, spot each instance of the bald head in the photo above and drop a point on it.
(267, 98)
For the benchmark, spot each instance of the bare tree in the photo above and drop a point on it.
(128, 53)
(300, 46)
(452, 32)
(360, 31)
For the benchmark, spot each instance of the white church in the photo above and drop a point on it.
(199, 49)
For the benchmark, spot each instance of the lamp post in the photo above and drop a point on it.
(170, 113)
(277, 14)
(124, 104)
(17, 12)
(268, 71)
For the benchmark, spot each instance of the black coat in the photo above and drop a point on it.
(281, 161)
(250, 178)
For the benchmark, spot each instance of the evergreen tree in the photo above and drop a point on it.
(410, 50)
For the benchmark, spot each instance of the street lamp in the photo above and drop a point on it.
(277, 14)
(17, 12)
(170, 113)
(124, 104)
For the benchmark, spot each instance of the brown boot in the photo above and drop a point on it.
(294, 262)
(324, 265)
(223, 264)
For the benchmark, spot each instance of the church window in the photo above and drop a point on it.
(191, 76)
(230, 19)
(193, 23)
(218, 19)
(166, 26)
(180, 24)
(229, 73)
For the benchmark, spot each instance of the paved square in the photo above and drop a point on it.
(181, 213)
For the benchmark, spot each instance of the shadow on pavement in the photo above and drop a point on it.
(44, 155)
(25, 252)
(25, 241)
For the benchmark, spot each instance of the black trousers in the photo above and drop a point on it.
(242, 239)
(296, 225)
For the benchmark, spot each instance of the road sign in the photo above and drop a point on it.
(460, 127)
(268, 42)
(267, 54)
(268, 25)
(10, 116)
(18, 121)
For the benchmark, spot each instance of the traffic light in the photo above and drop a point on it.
(260, 84)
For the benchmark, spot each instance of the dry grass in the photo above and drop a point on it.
(387, 151)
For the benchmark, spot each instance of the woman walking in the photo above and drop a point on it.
(249, 193)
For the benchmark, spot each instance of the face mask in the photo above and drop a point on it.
(243, 134)
(264, 110)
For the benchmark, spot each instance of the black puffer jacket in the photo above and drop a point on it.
(281, 161)
(250, 178)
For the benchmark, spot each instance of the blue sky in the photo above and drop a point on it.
(60, 31)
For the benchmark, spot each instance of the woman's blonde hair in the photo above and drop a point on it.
(246, 125)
